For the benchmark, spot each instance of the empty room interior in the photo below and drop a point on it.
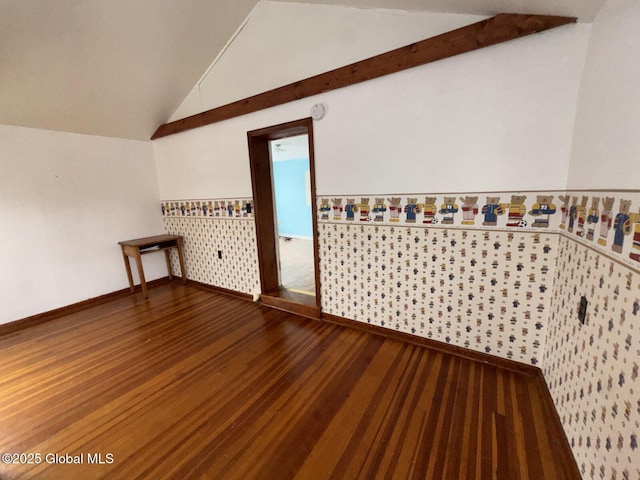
(320, 239)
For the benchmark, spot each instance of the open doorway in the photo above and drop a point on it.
(284, 199)
(294, 224)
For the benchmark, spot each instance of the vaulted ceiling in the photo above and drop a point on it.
(121, 68)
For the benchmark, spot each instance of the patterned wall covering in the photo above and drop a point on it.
(529, 210)
(207, 230)
(234, 208)
(592, 370)
(487, 291)
(489, 272)
(610, 221)
(607, 221)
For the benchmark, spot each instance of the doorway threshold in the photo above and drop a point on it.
(292, 301)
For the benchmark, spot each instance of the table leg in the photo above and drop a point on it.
(143, 283)
(168, 259)
(127, 265)
(181, 258)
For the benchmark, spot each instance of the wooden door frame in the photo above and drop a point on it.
(264, 207)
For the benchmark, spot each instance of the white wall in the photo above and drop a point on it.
(496, 119)
(282, 43)
(65, 202)
(606, 144)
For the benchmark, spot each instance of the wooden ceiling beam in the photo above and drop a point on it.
(498, 29)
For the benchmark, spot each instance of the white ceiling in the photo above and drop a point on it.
(585, 10)
(107, 67)
(120, 68)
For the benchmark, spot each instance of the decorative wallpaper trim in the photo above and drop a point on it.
(496, 192)
(220, 208)
(467, 211)
(609, 221)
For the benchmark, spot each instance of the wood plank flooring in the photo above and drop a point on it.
(195, 385)
(296, 265)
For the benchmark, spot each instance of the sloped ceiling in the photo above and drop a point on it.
(585, 10)
(116, 68)
(121, 68)
(282, 43)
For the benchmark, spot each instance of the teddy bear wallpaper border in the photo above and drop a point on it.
(209, 208)
(608, 221)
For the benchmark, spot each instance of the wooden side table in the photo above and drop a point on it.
(141, 246)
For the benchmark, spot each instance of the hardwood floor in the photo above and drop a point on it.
(191, 384)
(296, 265)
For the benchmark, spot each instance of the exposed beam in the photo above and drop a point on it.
(498, 29)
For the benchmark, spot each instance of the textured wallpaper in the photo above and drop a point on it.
(486, 291)
(204, 237)
(592, 369)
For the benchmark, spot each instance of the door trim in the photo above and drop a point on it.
(264, 208)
